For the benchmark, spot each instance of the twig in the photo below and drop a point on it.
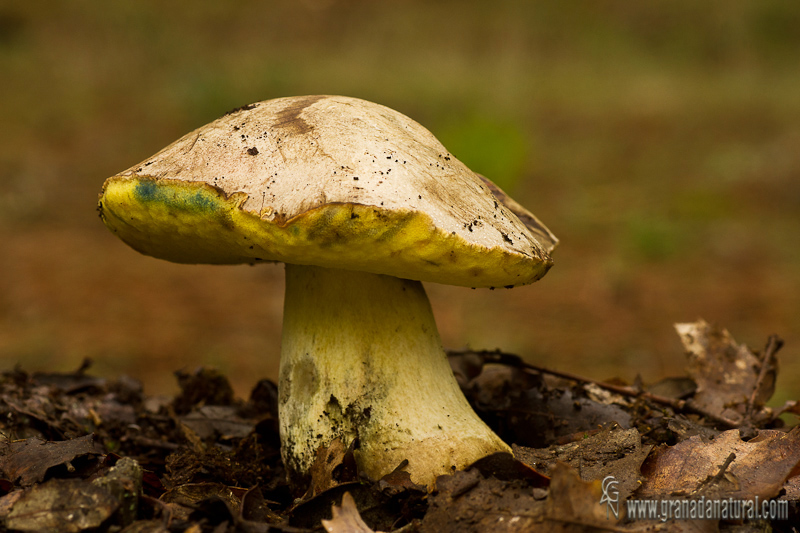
(711, 480)
(678, 405)
(774, 343)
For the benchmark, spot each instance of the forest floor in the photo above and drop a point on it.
(83, 453)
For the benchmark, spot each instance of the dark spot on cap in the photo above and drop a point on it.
(289, 117)
(247, 107)
(252, 151)
(475, 271)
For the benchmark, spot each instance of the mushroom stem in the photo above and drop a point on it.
(361, 358)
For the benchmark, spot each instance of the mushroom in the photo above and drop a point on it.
(361, 203)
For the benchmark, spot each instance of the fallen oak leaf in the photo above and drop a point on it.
(62, 505)
(506, 467)
(204, 386)
(399, 479)
(791, 406)
(70, 382)
(537, 432)
(475, 501)
(255, 508)
(29, 460)
(576, 506)
(729, 376)
(761, 467)
(333, 465)
(7, 502)
(376, 507)
(529, 411)
(612, 452)
(217, 420)
(575, 503)
(346, 518)
(469, 502)
(711, 481)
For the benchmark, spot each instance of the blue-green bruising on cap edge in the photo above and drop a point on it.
(148, 191)
(195, 198)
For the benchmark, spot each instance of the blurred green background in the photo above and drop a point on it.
(659, 140)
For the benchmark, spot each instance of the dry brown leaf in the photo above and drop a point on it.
(574, 505)
(61, 505)
(400, 479)
(468, 502)
(255, 508)
(792, 489)
(533, 413)
(726, 373)
(28, 460)
(612, 452)
(346, 518)
(211, 420)
(506, 467)
(333, 465)
(8, 501)
(791, 406)
(760, 468)
(204, 386)
(577, 506)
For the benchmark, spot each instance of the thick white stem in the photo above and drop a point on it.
(361, 358)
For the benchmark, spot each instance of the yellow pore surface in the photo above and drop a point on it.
(193, 222)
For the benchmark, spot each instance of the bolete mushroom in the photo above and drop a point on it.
(361, 203)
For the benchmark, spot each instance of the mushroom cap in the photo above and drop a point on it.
(329, 181)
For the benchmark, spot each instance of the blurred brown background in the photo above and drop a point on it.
(660, 141)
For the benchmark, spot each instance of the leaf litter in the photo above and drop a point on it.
(82, 453)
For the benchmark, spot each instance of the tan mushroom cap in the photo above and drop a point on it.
(330, 181)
